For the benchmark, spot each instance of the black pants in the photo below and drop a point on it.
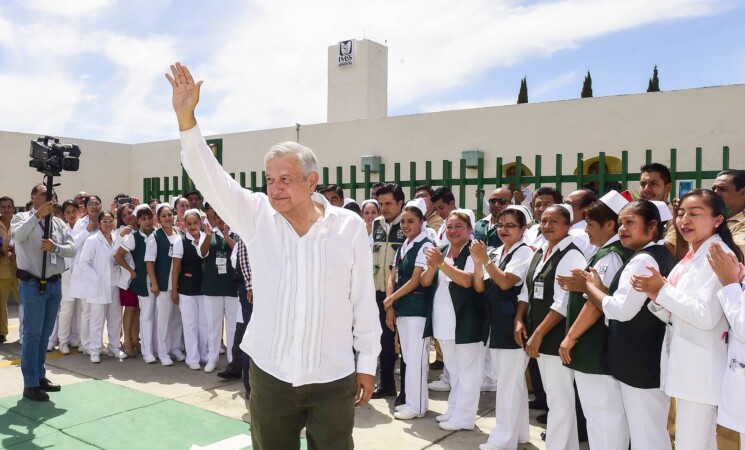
(388, 354)
(246, 311)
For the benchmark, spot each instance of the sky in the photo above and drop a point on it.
(94, 69)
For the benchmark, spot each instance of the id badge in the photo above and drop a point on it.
(538, 290)
(221, 261)
(53, 258)
(602, 268)
(170, 251)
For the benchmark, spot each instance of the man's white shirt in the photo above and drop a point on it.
(314, 294)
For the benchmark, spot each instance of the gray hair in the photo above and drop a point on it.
(304, 155)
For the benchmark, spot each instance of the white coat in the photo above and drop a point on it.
(697, 348)
(731, 412)
(80, 234)
(97, 269)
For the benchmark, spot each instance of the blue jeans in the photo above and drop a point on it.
(39, 314)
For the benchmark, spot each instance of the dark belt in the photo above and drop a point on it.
(26, 276)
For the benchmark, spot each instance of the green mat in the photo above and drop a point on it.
(97, 414)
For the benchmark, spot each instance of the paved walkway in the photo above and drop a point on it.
(130, 404)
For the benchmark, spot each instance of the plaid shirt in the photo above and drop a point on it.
(243, 265)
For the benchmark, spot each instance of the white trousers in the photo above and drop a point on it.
(218, 309)
(69, 321)
(490, 369)
(415, 352)
(191, 309)
(204, 331)
(85, 324)
(511, 408)
(111, 313)
(169, 325)
(464, 366)
(695, 426)
(147, 324)
(96, 318)
(602, 405)
(558, 381)
(646, 412)
(114, 320)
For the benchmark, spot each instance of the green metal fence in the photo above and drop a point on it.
(165, 187)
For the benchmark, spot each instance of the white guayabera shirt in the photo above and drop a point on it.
(314, 294)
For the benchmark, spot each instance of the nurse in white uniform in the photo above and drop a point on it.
(500, 274)
(635, 335)
(407, 304)
(731, 274)
(695, 347)
(99, 273)
(158, 258)
(457, 320)
(83, 229)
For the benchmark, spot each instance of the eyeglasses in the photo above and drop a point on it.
(501, 201)
(107, 221)
(507, 226)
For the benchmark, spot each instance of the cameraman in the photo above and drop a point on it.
(40, 310)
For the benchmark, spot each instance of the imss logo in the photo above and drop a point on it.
(346, 53)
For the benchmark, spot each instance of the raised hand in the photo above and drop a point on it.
(185, 95)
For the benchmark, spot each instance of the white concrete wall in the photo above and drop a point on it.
(708, 118)
(104, 169)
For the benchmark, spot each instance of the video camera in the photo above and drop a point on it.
(50, 157)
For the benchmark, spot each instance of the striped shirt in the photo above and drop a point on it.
(317, 304)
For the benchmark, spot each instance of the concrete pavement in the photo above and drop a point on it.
(375, 427)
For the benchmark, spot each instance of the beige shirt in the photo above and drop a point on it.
(736, 225)
(7, 269)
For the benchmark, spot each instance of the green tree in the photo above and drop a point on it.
(522, 97)
(587, 86)
(654, 82)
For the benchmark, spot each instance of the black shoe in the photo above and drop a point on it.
(229, 373)
(543, 436)
(48, 386)
(542, 418)
(36, 394)
(400, 400)
(538, 404)
(2, 339)
(437, 365)
(381, 392)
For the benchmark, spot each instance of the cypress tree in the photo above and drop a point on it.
(587, 86)
(522, 96)
(654, 82)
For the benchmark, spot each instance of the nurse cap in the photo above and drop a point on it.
(524, 211)
(417, 203)
(568, 208)
(139, 208)
(470, 215)
(614, 201)
(664, 210)
(161, 206)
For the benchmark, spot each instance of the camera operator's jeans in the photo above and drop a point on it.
(40, 313)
